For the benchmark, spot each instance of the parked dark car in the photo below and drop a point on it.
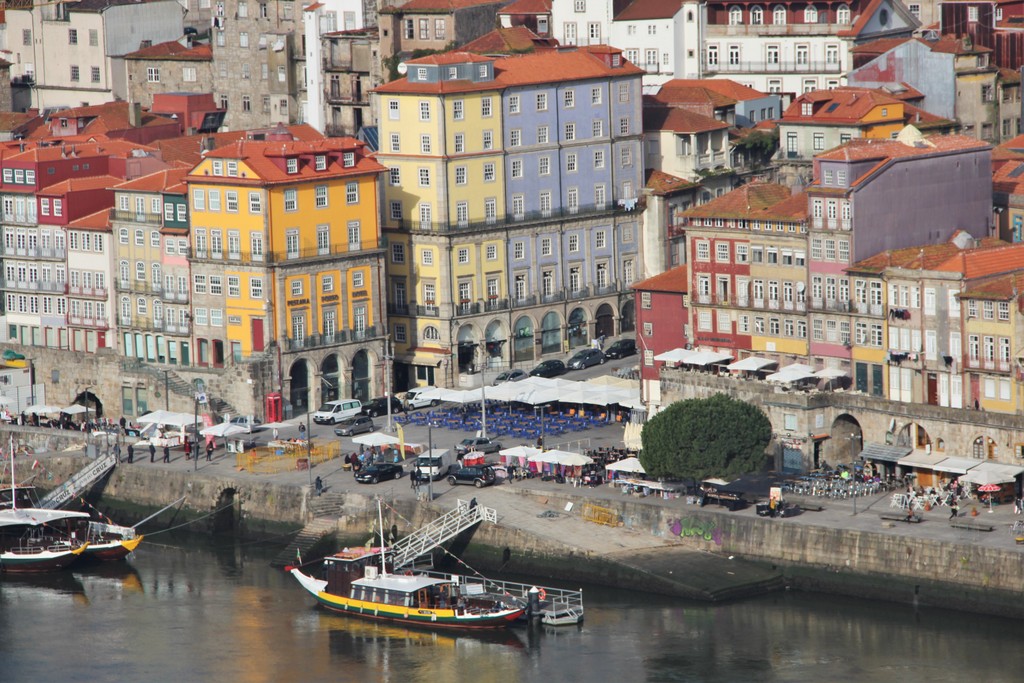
(479, 476)
(548, 368)
(478, 443)
(585, 359)
(351, 426)
(382, 471)
(510, 376)
(621, 349)
(376, 407)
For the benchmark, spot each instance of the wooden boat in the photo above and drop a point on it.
(356, 581)
(37, 540)
(109, 542)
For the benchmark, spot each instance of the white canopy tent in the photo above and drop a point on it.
(558, 457)
(707, 358)
(42, 409)
(164, 417)
(224, 429)
(830, 373)
(375, 439)
(628, 465)
(791, 373)
(74, 410)
(751, 364)
(674, 356)
(992, 473)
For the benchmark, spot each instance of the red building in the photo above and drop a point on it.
(662, 324)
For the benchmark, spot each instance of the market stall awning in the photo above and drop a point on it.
(751, 364)
(674, 356)
(956, 465)
(626, 465)
(922, 460)
(992, 473)
(791, 373)
(707, 358)
(884, 452)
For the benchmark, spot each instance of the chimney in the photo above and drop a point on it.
(135, 114)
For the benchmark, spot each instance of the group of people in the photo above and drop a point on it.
(187, 446)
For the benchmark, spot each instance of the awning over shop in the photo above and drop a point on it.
(992, 472)
(922, 460)
(884, 452)
(956, 465)
(423, 355)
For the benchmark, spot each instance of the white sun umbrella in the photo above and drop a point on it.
(546, 457)
(164, 417)
(42, 409)
(751, 364)
(674, 356)
(520, 451)
(791, 373)
(628, 465)
(568, 458)
(830, 373)
(375, 439)
(506, 391)
(74, 410)
(281, 425)
(224, 429)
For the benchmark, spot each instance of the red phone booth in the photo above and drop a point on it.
(273, 407)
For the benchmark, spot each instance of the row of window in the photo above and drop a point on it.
(756, 226)
(747, 253)
(772, 55)
(811, 15)
(20, 271)
(171, 246)
(210, 200)
(46, 305)
(22, 239)
(157, 278)
(19, 176)
(296, 286)
(76, 74)
(94, 37)
(214, 247)
(516, 168)
(214, 284)
(329, 320)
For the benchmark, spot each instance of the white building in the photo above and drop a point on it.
(646, 32)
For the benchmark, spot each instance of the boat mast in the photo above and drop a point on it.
(380, 520)
(14, 492)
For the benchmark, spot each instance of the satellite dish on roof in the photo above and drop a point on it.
(403, 68)
(800, 286)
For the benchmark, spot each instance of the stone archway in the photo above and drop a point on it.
(91, 403)
(577, 325)
(330, 379)
(605, 321)
(913, 435)
(984, 448)
(495, 338)
(227, 512)
(467, 345)
(298, 386)
(361, 375)
(627, 317)
(551, 333)
(522, 346)
(846, 441)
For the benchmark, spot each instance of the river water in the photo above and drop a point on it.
(202, 610)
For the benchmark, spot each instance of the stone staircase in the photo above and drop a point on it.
(176, 384)
(309, 536)
(327, 504)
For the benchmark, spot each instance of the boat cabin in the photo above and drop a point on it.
(355, 573)
(23, 497)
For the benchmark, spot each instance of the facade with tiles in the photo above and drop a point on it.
(286, 252)
(510, 207)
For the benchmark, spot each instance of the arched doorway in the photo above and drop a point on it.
(605, 321)
(522, 348)
(228, 512)
(298, 387)
(983, 448)
(467, 349)
(330, 387)
(495, 337)
(578, 335)
(551, 333)
(361, 375)
(627, 317)
(88, 400)
(913, 435)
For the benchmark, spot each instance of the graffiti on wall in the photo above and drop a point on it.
(692, 527)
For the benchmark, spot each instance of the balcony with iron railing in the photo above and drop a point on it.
(768, 28)
(95, 323)
(35, 286)
(830, 305)
(21, 218)
(350, 336)
(864, 308)
(518, 219)
(783, 66)
(58, 254)
(89, 292)
(140, 287)
(304, 254)
(136, 217)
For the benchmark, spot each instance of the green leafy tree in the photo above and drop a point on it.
(706, 437)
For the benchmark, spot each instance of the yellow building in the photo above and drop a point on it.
(286, 252)
(993, 336)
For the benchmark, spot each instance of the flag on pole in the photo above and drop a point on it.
(35, 464)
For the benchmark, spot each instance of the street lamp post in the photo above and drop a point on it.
(853, 469)
(430, 452)
(388, 357)
(309, 449)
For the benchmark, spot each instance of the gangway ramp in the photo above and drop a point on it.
(79, 482)
(440, 531)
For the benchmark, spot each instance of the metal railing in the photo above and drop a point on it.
(35, 285)
(36, 252)
(439, 531)
(283, 255)
(340, 337)
(581, 211)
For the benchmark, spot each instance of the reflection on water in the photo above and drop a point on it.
(193, 613)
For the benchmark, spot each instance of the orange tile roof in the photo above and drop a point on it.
(188, 150)
(109, 116)
(660, 182)
(952, 45)
(924, 257)
(96, 182)
(723, 86)
(527, 7)
(751, 201)
(99, 221)
(638, 10)
(1001, 288)
(878, 46)
(670, 95)
(981, 262)
(108, 148)
(259, 155)
(676, 280)
(445, 58)
(860, 149)
(167, 180)
(546, 66)
(433, 6)
(174, 50)
(679, 120)
(516, 39)
(841, 105)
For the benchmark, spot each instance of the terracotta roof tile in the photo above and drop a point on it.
(547, 66)
(167, 180)
(107, 148)
(174, 50)
(952, 45)
(447, 6)
(1001, 288)
(99, 221)
(986, 261)
(188, 150)
(925, 257)
(725, 87)
(751, 201)
(679, 120)
(103, 118)
(860, 149)
(840, 105)
(259, 156)
(639, 10)
(506, 41)
(527, 7)
(97, 182)
(660, 182)
(879, 46)
(676, 280)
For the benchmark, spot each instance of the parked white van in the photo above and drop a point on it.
(413, 400)
(334, 412)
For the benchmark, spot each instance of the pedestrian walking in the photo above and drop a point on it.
(302, 431)
(152, 452)
(275, 433)
(117, 451)
(188, 449)
(123, 422)
(319, 486)
(131, 453)
(414, 480)
(167, 453)
(954, 509)
(209, 450)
